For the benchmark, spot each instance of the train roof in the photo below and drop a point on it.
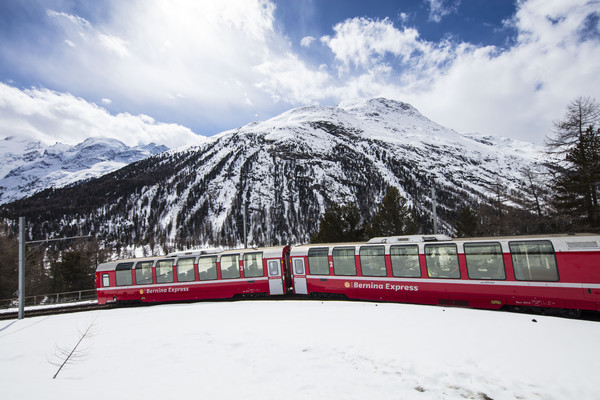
(446, 238)
(517, 237)
(409, 238)
(198, 252)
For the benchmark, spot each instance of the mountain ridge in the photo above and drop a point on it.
(29, 166)
(289, 170)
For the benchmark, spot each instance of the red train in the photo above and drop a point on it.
(552, 273)
(194, 276)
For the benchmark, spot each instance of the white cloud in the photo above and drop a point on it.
(438, 9)
(363, 42)
(520, 91)
(289, 79)
(52, 117)
(307, 41)
(114, 44)
(367, 45)
(152, 52)
(225, 61)
(514, 92)
(77, 21)
(404, 17)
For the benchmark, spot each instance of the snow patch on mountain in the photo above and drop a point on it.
(28, 166)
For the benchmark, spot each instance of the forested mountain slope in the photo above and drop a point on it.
(288, 170)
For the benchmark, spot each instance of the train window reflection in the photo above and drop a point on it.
(405, 261)
(207, 268)
(230, 266)
(318, 263)
(442, 261)
(185, 270)
(253, 265)
(164, 271)
(344, 262)
(534, 260)
(372, 260)
(143, 272)
(123, 274)
(484, 261)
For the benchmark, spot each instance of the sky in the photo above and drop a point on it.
(171, 72)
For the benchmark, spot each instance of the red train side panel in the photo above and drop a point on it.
(548, 272)
(194, 276)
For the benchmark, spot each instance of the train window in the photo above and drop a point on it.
(273, 267)
(372, 260)
(185, 270)
(164, 271)
(230, 266)
(442, 261)
(298, 266)
(207, 268)
(105, 280)
(484, 261)
(253, 265)
(534, 260)
(344, 262)
(143, 273)
(318, 263)
(123, 274)
(405, 261)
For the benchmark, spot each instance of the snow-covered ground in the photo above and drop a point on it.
(300, 350)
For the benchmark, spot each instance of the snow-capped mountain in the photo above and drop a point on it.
(289, 170)
(28, 166)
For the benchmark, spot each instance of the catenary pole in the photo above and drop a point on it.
(21, 267)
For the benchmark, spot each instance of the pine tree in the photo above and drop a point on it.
(8, 263)
(74, 272)
(393, 217)
(340, 224)
(575, 183)
(577, 188)
(467, 224)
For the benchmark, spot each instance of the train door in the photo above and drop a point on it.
(299, 277)
(275, 278)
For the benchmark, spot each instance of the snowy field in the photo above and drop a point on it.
(300, 350)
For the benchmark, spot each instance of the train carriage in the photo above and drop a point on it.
(549, 272)
(194, 276)
(552, 273)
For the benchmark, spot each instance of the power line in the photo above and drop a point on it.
(22, 258)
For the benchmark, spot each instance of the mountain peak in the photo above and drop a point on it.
(378, 104)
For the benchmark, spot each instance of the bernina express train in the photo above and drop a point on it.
(551, 273)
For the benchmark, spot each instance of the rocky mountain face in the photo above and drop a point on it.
(288, 170)
(28, 166)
